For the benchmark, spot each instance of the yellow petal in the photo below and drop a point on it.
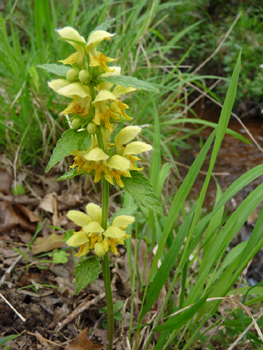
(120, 90)
(123, 221)
(125, 136)
(57, 84)
(94, 212)
(77, 239)
(72, 34)
(94, 226)
(104, 95)
(99, 249)
(114, 232)
(96, 154)
(97, 36)
(74, 89)
(78, 217)
(115, 71)
(119, 163)
(136, 147)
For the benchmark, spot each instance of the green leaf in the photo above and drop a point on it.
(70, 140)
(18, 190)
(130, 210)
(127, 81)
(67, 235)
(57, 69)
(8, 338)
(8, 127)
(141, 190)
(72, 173)
(183, 317)
(86, 272)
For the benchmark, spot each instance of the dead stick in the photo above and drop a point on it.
(18, 314)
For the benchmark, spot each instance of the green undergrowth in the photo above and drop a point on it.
(145, 47)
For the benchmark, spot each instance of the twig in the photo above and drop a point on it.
(18, 314)
(8, 271)
(219, 46)
(244, 333)
(79, 310)
(44, 339)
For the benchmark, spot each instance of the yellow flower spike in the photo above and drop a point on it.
(77, 239)
(72, 34)
(96, 154)
(125, 136)
(119, 163)
(114, 232)
(136, 147)
(83, 249)
(78, 217)
(94, 211)
(123, 221)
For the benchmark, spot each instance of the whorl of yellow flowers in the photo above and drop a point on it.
(95, 106)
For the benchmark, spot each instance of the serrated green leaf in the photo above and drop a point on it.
(127, 81)
(141, 190)
(86, 272)
(70, 140)
(72, 173)
(57, 69)
(130, 210)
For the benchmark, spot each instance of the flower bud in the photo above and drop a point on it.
(84, 76)
(72, 74)
(92, 128)
(75, 123)
(99, 250)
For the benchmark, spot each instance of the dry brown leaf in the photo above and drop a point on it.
(5, 181)
(12, 214)
(28, 213)
(47, 203)
(82, 342)
(46, 244)
(67, 201)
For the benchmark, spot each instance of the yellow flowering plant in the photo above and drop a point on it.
(93, 115)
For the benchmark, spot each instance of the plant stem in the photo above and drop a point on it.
(106, 266)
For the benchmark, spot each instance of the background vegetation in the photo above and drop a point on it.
(166, 44)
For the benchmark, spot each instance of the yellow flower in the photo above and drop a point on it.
(93, 236)
(78, 92)
(96, 161)
(124, 159)
(91, 228)
(73, 37)
(96, 58)
(107, 106)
